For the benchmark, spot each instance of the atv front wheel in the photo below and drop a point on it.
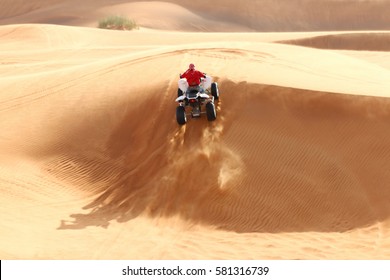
(215, 91)
(181, 115)
(211, 112)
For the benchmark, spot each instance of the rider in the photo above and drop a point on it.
(192, 78)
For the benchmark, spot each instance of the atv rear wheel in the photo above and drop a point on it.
(181, 115)
(215, 91)
(211, 112)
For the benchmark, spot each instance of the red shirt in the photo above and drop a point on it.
(193, 77)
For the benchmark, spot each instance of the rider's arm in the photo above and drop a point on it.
(184, 75)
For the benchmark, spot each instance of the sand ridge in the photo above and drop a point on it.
(94, 166)
(356, 41)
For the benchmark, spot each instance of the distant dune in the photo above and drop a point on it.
(356, 41)
(220, 15)
(93, 164)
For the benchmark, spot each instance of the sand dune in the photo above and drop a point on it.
(372, 41)
(221, 15)
(94, 166)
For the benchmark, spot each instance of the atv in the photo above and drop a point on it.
(196, 98)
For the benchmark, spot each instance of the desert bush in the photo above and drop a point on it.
(117, 23)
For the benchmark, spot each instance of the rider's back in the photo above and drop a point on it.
(193, 77)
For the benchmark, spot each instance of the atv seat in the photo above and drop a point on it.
(192, 91)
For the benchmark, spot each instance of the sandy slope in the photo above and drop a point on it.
(367, 41)
(94, 166)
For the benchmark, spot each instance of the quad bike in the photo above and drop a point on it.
(196, 99)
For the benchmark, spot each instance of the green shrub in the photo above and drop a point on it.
(117, 23)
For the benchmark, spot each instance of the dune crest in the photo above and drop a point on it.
(374, 41)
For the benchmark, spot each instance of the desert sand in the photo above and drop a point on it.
(93, 164)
